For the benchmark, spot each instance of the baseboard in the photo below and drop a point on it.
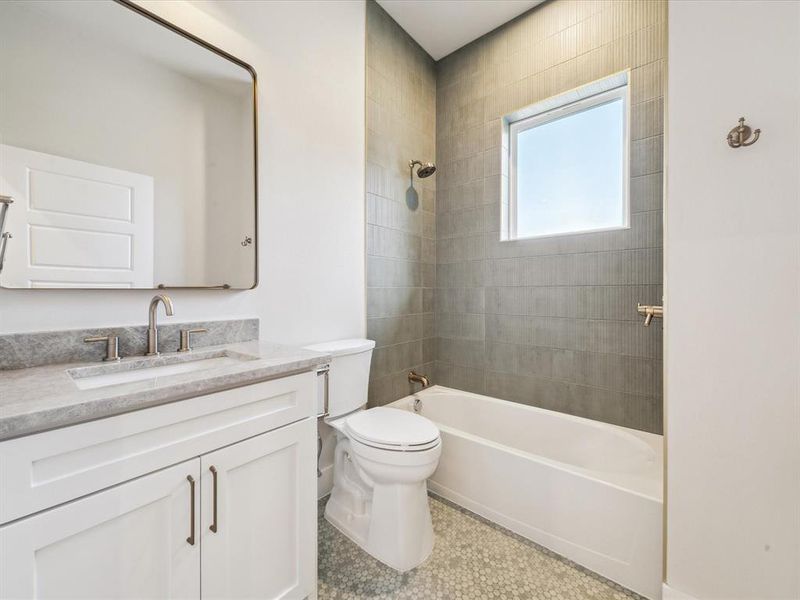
(669, 593)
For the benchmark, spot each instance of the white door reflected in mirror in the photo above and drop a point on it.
(75, 224)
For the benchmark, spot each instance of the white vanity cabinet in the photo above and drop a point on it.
(128, 541)
(209, 497)
(255, 528)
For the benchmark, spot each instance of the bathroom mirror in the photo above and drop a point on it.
(127, 152)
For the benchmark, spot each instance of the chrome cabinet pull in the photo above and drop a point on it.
(213, 526)
(190, 539)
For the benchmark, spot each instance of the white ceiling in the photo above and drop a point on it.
(444, 26)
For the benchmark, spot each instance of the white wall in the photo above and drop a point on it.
(733, 290)
(310, 61)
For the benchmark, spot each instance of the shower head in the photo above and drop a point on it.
(425, 169)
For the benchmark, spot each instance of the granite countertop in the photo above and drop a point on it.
(41, 398)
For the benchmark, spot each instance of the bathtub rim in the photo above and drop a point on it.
(644, 437)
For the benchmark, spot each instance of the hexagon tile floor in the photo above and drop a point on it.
(472, 559)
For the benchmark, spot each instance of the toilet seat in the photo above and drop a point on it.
(392, 429)
(394, 461)
(395, 448)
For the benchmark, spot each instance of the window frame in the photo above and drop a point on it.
(519, 125)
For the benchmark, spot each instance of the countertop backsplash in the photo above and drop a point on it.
(23, 350)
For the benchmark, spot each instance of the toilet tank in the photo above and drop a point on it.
(348, 379)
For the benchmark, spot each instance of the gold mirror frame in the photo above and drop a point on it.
(129, 4)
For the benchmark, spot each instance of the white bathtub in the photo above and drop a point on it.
(589, 491)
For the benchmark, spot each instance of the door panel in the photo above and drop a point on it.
(75, 224)
(265, 540)
(129, 541)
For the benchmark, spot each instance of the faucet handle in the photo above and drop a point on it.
(649, 312)
(186, 337)
(112, 345)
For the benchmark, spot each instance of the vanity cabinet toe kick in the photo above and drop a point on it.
(123, 505)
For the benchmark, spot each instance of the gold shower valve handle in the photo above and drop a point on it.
(649, 312)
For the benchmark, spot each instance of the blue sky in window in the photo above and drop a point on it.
(569, 173)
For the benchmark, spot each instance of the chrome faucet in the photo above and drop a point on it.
(152, 326)
(417, 378)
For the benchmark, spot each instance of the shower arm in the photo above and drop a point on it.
(411, 165)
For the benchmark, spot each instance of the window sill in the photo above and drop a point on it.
(564, 234)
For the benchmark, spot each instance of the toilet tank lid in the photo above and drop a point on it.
(343, 347)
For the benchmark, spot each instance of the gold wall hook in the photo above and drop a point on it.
(738, 136)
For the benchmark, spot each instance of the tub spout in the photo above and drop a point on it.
(416, 378)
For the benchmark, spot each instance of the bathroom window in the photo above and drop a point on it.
(568, 165)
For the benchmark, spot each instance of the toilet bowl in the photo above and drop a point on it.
(382, 461)
(380, 495)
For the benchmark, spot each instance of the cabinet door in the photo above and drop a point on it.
(259, 529)
(129, 541)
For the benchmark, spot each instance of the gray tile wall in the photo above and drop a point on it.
(550, 322)
(401, 247)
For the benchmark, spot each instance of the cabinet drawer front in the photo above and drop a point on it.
(42, 470)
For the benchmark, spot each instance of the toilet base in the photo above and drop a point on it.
(391, 522)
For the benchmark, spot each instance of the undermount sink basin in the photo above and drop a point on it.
(88, 378)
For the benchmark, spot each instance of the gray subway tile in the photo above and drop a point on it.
(548, 322)
(387, 331)
(389, 302)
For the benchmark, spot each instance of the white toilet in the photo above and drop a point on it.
(382, 461)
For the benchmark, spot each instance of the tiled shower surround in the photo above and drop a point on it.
(549, 322)
(401, 254)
